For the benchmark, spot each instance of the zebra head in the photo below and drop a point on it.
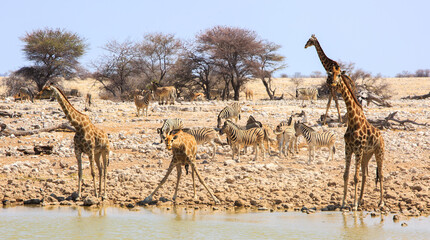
(162, 137)
(218, 121)
(297, 128)
(225, 127)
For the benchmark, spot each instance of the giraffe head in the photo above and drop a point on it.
(311, 41)
(334, 76)
(171, 136)
(47, 90)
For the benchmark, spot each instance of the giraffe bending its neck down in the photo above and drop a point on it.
(88, 139)
(361, 139)
(328, 65)
(184, 148)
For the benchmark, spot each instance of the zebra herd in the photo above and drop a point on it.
(254, 134)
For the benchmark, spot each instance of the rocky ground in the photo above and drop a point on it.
(138, 162)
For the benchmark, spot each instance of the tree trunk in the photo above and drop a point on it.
(269, 91)
(6, 131)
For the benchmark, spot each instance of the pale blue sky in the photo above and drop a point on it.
(386, 36)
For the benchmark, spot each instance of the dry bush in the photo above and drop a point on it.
(14, 82)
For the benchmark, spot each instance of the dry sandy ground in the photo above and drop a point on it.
(138, 162)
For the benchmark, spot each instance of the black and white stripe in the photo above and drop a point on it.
(169, 125)
(205, 135)
(142, 102)
(229, 112)
(316, 140)
(285, 134)
(238, 138)
(252, 122)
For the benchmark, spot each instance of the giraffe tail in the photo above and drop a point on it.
(377, 177)
(186, 168)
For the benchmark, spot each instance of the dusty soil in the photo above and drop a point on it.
(138, 162)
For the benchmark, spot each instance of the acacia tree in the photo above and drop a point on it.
(233, 51)
(157, 54)
(55, 53)
(116, 69)
(268, 62)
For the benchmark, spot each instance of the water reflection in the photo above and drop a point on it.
(179, 222)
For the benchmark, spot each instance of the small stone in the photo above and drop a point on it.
(238, 203)
(90, 200)
(396, 218)
(32, 201)
(404, 224)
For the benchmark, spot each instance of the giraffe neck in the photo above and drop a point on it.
(355, 112)
(326, 62)
(76, 118)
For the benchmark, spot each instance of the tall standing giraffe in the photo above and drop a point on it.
(361, 139)
(328, 65)
(88, 139)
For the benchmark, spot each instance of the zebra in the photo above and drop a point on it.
(238, 137)
(168, 126)
(251, 123)
(307, 94)
(205, 135)
(316, 139)
(142, 102)
(230, 111)
(285, 133)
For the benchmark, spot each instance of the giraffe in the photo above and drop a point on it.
(184, 148)
(328, 64)
(88, 139)
(361, 139)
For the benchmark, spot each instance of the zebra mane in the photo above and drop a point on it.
(253, 123)
(307, 128)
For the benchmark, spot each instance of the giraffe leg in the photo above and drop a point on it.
(194, 184)
(358, 161)
(105, 156)
(328, 106)
(348, 155)
(379, 162)
(93, 174)
(178, 178)
(99, 166)
(78, 154)
(364, 172)
(337, 106)
(203, 182)
(169, 170)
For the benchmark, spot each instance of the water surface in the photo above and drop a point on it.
(179, 223)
